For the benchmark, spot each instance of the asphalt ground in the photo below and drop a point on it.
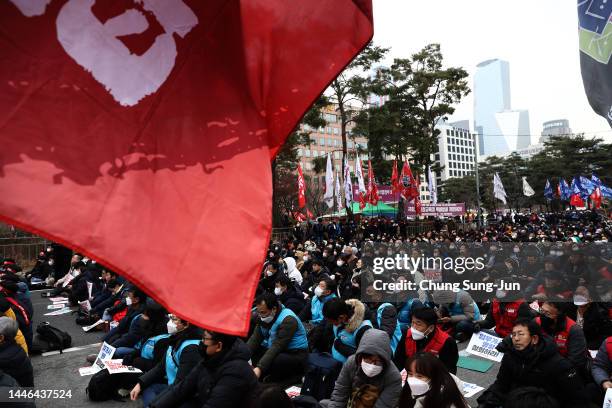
(55, 371)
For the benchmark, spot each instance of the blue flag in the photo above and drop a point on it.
(606, 192)
(596, 181)
(594, 31)
(548, 192)
(565, 191)
(586, 186)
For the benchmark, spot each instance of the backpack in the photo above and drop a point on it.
(51, 338)
(321, 374)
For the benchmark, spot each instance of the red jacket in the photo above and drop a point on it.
(504, 321)
(561, 337)
(433, 346)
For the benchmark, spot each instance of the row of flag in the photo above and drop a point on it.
(580, 189)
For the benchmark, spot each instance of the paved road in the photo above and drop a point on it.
(60, 371)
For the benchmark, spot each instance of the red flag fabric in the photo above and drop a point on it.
(372, 189)
(309, 214)
(395, 181)
(141, 132)
(596, 197)
(409, 185)
(575, 200)
(301, 188)
(299, 216)
(417, 199)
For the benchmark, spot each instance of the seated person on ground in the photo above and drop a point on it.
(349, 325)
(13, 360)
(457, 312)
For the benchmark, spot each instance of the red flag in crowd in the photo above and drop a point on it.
(299, 216)
(372, 191)
(596, 197)
(309, 214)
(417, 197)
(128, 129)
(409, 185)
(576, 200)
(301, 187)
(395, 181)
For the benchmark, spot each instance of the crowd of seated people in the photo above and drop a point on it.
(317, 301)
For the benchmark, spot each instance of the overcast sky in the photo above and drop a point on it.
(539, 39)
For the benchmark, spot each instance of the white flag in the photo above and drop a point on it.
(338, 193)
(433, 188)
(348, 184)
(359, 175)
(329, 183)
(498, 189)
(527, 190)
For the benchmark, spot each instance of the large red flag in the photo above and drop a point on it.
(409, 184)
(301, 188)
(396, 186)
(141, 132)
(596, 197)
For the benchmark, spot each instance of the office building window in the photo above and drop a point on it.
(448, 138)
(322, 142)
(336, 131)
(349, 144)
(448, 133)
(307, 153)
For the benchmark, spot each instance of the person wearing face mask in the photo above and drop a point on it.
(290, 270)
(318, 272)
(319, 332)
(135, 302)
(506, 309)
(430, 385)
(289, 295)
(425, 336)
(591, 316)
(279, 344)
(63, 286)
(267, 282)
(567, 335)
(368, 375)
(223, 378)
(531, 359)
(457, 310)
(349, 325)
(181, 356)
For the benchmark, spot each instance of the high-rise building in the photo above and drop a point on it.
(559, 127)
(491, 95)
(457, 150)
(500, 129)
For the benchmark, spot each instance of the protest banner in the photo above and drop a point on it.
(88, 328)
(469, 389)
(59, 312)
(55, 306)
(117, 367)
(293, 391)
(483, 345)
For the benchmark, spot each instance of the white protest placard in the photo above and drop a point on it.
(535, 305)
(59, 312)
(58, 299)
(106, 353)
(55, 306)
(89, 289)
(469, 389)
(293, 391)
(69, 279)
(83, 371)
(117, 367)
(608, 399)
(483, 345)
(88, 328)
(593, 353)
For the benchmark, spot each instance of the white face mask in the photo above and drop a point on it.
(171, 326)
(580, 300)
(278, 291)
(417, 387)
(306, 258)
(517, 250)
(500, 293)
(318, 291)
(128, 301)
(268, 319)
(269, 273)
(371, 370)
(417, 334)
(339, 262)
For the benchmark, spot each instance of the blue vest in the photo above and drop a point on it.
(347, 338)
(316, 309)
(404, 316)
(299, 341)
(134, 319)
(397, 334)
(173, 359)
(456, 309)
(146, 351)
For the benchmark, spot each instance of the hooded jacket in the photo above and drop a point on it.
(294, 274)
(541, 366)
(356, 326)
(389, 381)
(15, 362)
(225, 380)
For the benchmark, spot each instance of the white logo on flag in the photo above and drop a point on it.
(95, 46)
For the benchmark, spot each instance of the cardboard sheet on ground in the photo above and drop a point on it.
(59, 312)
(483, 345)
(474, 364)
(91, 326)
(106, 353)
